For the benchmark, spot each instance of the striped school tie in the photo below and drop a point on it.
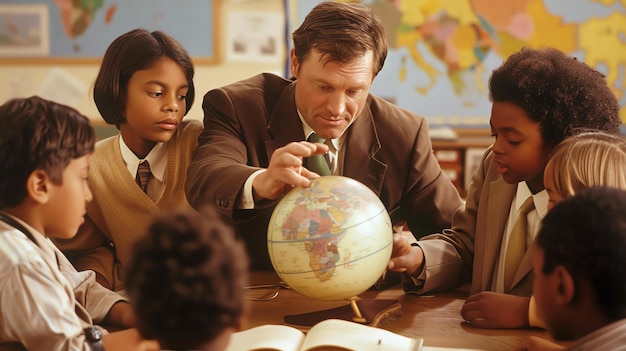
(143, 175)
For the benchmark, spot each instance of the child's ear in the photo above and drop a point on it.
(565, 285)
(37, 186)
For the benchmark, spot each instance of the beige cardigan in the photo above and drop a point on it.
(120, 211)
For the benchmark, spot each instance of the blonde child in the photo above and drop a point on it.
(585, 160)
(145, 88)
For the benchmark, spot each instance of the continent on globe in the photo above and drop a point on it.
(332, 240)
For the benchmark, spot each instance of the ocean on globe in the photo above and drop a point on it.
(331, 240)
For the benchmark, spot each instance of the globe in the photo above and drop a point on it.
(331, 240)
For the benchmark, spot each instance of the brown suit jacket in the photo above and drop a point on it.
(387, 148)
(470, 250)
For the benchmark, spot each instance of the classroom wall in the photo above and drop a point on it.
(398, 82)
(22, 80)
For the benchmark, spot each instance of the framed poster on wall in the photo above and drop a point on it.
(24, 30)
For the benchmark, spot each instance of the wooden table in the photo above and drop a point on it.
(436, 318)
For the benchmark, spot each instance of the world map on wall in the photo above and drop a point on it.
(442, 52)
(85, 28)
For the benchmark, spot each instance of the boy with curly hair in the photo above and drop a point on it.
(45, 304)
(540, 97)
(186, 280)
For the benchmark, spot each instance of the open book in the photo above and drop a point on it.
(330, 334)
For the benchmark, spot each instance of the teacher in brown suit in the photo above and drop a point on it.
(253, 147)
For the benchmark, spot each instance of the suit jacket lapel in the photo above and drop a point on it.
(525, 267)
(500, 193)
(284, 125)
(361, 145)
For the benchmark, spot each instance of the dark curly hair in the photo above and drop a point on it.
(186, 279)
(560, 93)
(36, 133)
(586, 234)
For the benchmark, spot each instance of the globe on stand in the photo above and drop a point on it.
(331, 240)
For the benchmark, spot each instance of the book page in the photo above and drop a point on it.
(358, 337)
(267, 337)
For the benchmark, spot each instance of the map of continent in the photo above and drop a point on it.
(442, 52)
(318, 218)
(76, 16)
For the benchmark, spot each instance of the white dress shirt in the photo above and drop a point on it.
(44, 302)
(157, 158)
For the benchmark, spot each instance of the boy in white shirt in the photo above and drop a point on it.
(45, 304)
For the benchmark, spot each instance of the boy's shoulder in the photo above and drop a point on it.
(16, 250)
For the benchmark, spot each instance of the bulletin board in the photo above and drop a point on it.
(66, 31)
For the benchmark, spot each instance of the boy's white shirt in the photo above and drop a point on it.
(44, 302)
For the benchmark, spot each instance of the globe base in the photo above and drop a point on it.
(373, 312)
(358, 317)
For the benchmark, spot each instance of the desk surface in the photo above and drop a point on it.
(436, 318)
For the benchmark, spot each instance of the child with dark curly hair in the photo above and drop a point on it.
(540, 97)
(186, 281)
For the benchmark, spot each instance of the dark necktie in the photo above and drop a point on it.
(317, 163)
(517, 243)
(143, 175)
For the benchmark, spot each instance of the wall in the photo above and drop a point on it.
(22, 80)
